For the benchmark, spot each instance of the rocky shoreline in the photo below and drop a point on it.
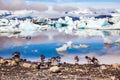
(16, 68)
(27, 70)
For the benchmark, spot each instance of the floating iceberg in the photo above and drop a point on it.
(107, 40)
(28, 26)
(88, 32)
(4, 22)
(117, 41)
(65, 24)
(59, 25)
(80, 46)
(69, 44)
(62, 48)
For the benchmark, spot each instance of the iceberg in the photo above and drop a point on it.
(60, 20)
(64, 24)
(9, 25)
(80, 46)
(42, 21)
(4, 22)
(59, 25)
(69, 44)
(62, 48)
(28, 26)
(107, 40)
(88, 32)
(97, 24)
(118, 40)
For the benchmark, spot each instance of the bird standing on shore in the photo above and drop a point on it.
(16, 55)
(42, 58)
(89, 60)
(76, 58)
(95, 61)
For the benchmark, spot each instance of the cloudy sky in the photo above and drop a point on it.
(43, 5)
(56, 8)
(75, 0)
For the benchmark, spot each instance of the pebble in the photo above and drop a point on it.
(54, 69)
(27, 71)
(102, 67)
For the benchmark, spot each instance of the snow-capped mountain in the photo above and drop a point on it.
(20, 14)
(4, 13)
(93, 12)
(118, 10)
(90, 12)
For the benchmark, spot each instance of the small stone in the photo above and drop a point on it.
(54, 69)
(115, 66)
(11, 62)
(112, 77)
(29, 73)
(79, 70)
(103, 67)
(17, 59)
(34, 66)
(55, 63)
(26, 65)
(2, 61)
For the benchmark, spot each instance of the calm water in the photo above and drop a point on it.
(46, 43)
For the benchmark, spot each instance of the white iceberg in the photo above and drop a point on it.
(28, 26)
(80, 46)
(4, 22)
(107, 40)
(62, 48)
(69, 44)
(118, 40)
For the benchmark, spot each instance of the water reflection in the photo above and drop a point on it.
(46, 42)
(107, 45)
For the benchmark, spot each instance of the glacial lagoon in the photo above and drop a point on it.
(46, 42)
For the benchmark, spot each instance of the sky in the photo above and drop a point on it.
(75, 0)
(53, 8)
(43, 5)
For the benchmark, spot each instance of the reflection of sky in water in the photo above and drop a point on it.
(34, 50)
(41, 44)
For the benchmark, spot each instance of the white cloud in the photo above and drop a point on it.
(42, 6)
(64, 8)
(21, 4)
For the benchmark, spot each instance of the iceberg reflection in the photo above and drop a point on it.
(101, 42)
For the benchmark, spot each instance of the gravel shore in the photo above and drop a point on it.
(64, 72)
